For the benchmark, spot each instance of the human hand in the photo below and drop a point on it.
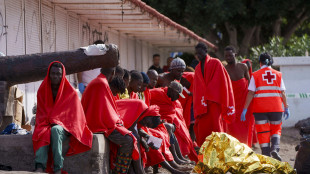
(144, 144)
(151, 145)
(243, 114)
(286, 114)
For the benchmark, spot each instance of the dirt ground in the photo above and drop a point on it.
(289, 139)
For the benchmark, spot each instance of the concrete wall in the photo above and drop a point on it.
(295, 72)
(17, 151)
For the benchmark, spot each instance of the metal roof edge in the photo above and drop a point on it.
(170, 22)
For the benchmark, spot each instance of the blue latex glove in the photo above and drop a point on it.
(243, 114)
(81, 88)
(286, 113)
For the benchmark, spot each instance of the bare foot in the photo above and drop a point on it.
(185, 168)
(179, 172)
(39, 170)
(148, 169)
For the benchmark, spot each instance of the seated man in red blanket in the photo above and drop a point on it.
(102, 117)
(153, 76)
(171, 110)
(135, 113)
(60, 116)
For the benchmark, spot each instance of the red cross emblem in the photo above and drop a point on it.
(269, 77)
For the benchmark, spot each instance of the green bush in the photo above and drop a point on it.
(296, 46)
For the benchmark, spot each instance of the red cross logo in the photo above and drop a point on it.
(231, 110)
(269, 77)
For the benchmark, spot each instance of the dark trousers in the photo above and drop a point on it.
(124, 141)
(268, 127)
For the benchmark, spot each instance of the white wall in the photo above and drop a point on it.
(145, 58)
(2, 28)
(123, 51)
(295, 73)
(55, 29)
(131, 54)
(26, 34)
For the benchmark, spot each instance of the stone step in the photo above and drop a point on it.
(16, 151)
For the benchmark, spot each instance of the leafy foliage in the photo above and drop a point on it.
(296, 46)
(254, 19)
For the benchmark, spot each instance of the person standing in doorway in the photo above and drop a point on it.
(156, 64)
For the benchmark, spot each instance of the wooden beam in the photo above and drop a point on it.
(100, 9)
(103, 19)
(87, 3)
(84, 1)
(125, 14)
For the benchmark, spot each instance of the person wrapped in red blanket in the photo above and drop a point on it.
(102, 117)
(132, 111)
(254, 140)
(187, 81)
(59, 116)
(135, 84)
(171, 110)
(135, 113)
(162, 155)
(212, 96)
(239, 75)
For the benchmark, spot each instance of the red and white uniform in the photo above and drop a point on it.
(268, 85)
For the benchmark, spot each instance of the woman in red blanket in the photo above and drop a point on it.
(59, 116)
(212, 96)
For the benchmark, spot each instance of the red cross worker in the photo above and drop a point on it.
(267, 92)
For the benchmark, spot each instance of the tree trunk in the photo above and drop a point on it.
(257, 40)
(277, 27)
(33, 67)
(247, 37)
(232, 33)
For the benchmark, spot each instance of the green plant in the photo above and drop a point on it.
(296, 46)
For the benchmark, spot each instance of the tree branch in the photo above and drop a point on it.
(292, 26)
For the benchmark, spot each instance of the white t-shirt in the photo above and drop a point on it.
(88, 76)
(252, 86)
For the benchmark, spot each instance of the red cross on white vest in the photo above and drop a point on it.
(269, 77)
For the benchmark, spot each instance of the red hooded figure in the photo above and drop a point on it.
(172, 112)
(66, 111)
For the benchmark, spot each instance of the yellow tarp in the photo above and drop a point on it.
(222, 153)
